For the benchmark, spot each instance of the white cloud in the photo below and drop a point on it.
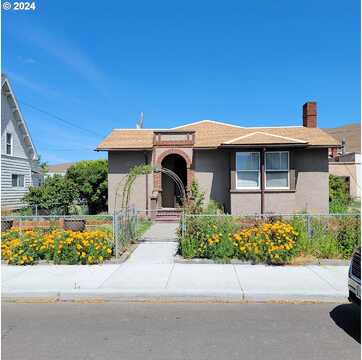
(27, 60)
(32, 85)
(69, 54)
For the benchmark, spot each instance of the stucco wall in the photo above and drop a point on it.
(244, 203)
(120, 163)
(311, 188)
(213, 175)
(212, 171)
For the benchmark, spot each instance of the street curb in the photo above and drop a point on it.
(178, 259)
(168, 295)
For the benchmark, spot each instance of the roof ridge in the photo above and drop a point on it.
(209, 121)
(264, 133)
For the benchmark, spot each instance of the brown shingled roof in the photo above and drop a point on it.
(59, 167)
(214, 134)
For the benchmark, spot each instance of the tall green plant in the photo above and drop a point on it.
(339, 198)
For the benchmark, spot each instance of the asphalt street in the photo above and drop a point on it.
(180, 331)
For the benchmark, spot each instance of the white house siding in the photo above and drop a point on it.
(9, 123)
(11, 197)
(23, 153)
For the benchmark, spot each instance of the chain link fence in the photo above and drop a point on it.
(38, 210)
(124, 226)
(310, 224)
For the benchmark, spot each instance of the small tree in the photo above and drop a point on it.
(90, 180)
(56, 195)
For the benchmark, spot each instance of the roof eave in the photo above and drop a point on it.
(124, 149)
(262, 145)
(6, 82)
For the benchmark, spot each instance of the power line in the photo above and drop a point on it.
(61, 119)
(59, 149)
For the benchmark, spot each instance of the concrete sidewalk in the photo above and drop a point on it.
(142, 280)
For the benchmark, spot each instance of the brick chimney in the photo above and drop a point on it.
(310, 114)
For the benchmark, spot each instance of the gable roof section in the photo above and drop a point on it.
(123, 139)
(6, 87)
(213, 134)
(260, 137)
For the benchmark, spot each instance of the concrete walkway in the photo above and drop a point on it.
(158, 245)
(150, 273)
(145, 280)
(161, 231)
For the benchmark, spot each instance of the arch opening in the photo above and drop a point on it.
(171, 195)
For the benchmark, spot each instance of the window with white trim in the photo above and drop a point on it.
(17, 180)
(247, 170)
(277, 170)
(9, 144)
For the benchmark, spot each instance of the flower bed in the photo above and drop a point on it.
(271, 240)
(58, 246)
(272, 243)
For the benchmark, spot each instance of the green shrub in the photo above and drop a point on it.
(56, 195)
(348, 235)
(339, 198)
(275, 242)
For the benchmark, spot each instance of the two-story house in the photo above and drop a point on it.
(19, 168)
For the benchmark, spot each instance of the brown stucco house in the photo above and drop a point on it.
(247, 170)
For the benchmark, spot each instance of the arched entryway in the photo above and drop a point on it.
(171, 196)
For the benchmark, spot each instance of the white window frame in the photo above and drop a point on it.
(11, 143)
(236, 171)
(266, 170)
(17, 183)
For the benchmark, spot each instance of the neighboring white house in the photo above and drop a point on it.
(58, 169)
(348, 166)
(19, 168)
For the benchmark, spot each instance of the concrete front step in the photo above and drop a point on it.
(168, 215)
(167, 219)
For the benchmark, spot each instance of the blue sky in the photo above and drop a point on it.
(252, 63)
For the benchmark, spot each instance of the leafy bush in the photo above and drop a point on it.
(90, 180)
(348, 235)
(223, 238)
(274, 242)
(339, 198)
(328, 237)
(56, 195)
(61, 247)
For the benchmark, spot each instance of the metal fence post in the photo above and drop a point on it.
(115, 233)
(309, 228)
(182, 225)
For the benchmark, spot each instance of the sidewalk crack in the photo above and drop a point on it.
(238, 280)
(108, 277)
(322, 278)
(169, 276)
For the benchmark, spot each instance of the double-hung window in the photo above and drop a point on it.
(9, 144)
(247, 170)
(17, 180)
(277, 170)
